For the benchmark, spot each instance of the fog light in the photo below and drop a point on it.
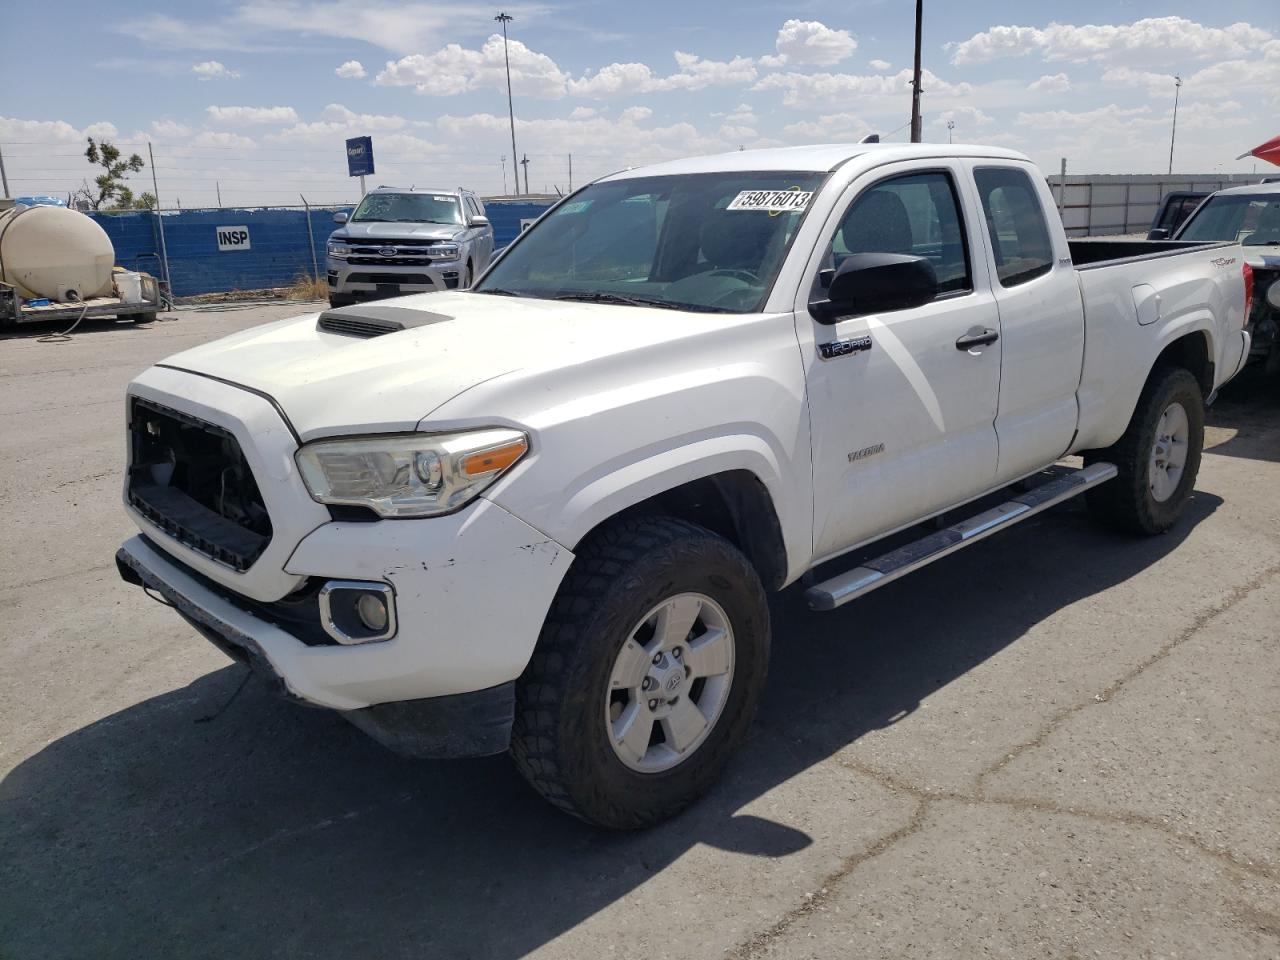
(372, 612)
(354, 611)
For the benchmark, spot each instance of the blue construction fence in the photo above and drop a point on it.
(254, 248)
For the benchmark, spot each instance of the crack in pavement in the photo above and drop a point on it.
(756, 945)
(1195, 626)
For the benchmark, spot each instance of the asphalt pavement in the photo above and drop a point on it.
(1060, 743)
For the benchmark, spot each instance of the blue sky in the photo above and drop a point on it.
(258, 96)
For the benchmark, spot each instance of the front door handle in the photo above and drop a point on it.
(977, 337)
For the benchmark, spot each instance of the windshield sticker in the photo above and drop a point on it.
(444, 199)
(774, 201)
(576, 207)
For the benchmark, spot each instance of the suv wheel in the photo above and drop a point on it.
(646, 676)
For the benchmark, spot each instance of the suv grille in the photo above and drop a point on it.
(409, 252)
(191, 479)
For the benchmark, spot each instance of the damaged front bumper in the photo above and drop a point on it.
(471, 591)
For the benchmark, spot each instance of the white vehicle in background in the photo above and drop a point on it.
(543, 514)
(1249, 216)
(401, 240)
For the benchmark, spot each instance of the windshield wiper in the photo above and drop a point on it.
(498, 292)
(633, 301)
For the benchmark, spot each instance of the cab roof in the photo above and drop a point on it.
(453, 191)
(1249, 188)
(818, 158)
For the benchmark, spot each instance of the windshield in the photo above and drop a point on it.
(408, 208)
(709, 242)
(1247, 219)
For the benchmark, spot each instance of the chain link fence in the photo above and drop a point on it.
(242, 249)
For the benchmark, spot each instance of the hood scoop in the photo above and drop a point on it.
(374, 320)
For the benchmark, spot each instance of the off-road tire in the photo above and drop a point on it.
(559, 740)
(1126, 503)
(340, 300)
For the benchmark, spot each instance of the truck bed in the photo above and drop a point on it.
(1086, 254)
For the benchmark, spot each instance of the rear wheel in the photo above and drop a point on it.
(646, 676)
(466, 277)
(1158, 457)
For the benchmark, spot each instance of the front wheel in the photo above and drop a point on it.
(1158, 457)
(646, 676)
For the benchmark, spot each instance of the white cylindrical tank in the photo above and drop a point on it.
(54, 252)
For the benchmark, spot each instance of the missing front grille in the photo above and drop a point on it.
(191, 479)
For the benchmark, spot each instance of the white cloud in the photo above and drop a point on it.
(213, 70)
(102, 130)
(1050, 83)
(810, 42)
(1164, 39)
(170, 129)
(242, 115)
(879, 65)
(635, 114)
(1111, 116)
(743, 114)
(693, 73)
(964, 117)
(840, 127)
(613, 79)
(221, 139)
(351, 70)
(816, 91)
(369, 122)
(582, 113)
(454, 69)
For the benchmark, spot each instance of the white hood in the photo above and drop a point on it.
(329, 383)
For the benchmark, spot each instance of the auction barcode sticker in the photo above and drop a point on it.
(772, 200)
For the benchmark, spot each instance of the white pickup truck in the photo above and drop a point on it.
(542, 515)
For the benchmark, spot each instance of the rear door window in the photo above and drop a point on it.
(1016, 224)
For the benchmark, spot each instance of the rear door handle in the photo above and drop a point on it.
(977, 337)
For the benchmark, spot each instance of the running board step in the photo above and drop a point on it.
(875, 573)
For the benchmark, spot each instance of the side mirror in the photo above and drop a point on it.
(339, 217)
(478, 221)
(876, 283)
(1159, 233)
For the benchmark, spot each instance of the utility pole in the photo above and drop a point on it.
(915, 78)
(4, 180)
(155, 192)
(504, 19)
(1177, 89)
(503, 161)
(951, 125)
(524, 163)
(218, 187)
(571, 173)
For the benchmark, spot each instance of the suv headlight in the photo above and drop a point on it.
(411, 475)
(443, 251)
(339, 251)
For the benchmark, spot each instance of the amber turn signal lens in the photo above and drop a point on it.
(499, 458)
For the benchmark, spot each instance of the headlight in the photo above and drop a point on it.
(339, 251)
(443, 251)
(411, 475)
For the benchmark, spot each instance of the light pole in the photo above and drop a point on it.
(951, 125)
(1177, 88)
(504, 19)
(915, 78)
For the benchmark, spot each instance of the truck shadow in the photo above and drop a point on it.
(1249, 407)
(274, 830)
